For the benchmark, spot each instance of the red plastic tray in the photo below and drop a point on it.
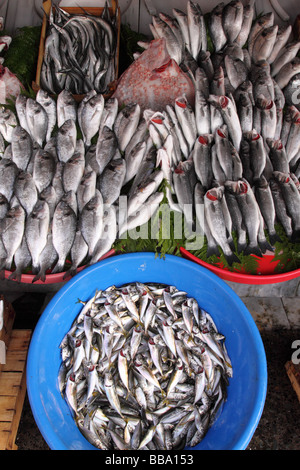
(52, 278)
(265, 275)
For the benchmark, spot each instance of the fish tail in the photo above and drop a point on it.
(265, 245)
(14, 276)
(274, 237)
(295, 238)
(253, 250)
(241, 247)
(70, 273)
(58, 268)
(212, 250)
(232, 258)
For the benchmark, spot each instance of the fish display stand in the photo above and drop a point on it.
(96, 11)
(14, 344)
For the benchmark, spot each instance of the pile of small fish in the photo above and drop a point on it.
(239, 143)
(144, 367)
(59, 192)
(80, 52)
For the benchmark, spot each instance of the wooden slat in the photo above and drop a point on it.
(13, 388)
(8, 321)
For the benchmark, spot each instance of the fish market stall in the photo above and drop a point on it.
(193, 151)
(132, 138)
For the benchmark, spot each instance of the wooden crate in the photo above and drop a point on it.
(77, 10)
(12, 378)
(293, 372)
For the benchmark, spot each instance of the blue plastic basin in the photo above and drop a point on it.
(246, 391)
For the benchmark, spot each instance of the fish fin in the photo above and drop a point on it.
(70, 273)
(212, 250)
(265, 246)
(232, 258)
(274, 237)
(2, 274)
(241, 247)
(295, 236)
(14, 276)
(58, 268)
(253, 250)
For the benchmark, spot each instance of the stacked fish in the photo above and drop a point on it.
(60, 193)
(144, 367)
(240, 142)
(80, 52)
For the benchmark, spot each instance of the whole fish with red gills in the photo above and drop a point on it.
(154, 80)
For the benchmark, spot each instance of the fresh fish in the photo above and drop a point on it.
(47, 259)
(108, 235)
(287, 72)
(49, 105)
(43, 169)
(287, 54)
(21, 147)
(126, 124)
(142, 214)
(264, 44)
(266, 204)
(258, 155)
(133, 159)
(21, 111)
(280, 208)
(111, 180)
(36, 231)
(90, 117)
(8, 174)
(26, 192)
(186, 118)
(91, 221)
(230, 116)
(8, 122)
(63, 233)
(73, 172)
(278, 155)
(3, 206)
(236, 71)
(282, 38)
(86, 189)
(66, 140)
(218, 220)
(202, 160)
(248, 14)
(215, 27)
(250, 212)
(22, 259)
(260, 23)
(66, 107)
(232, 19)
(291, 197)
(163, 30)
(106, 148)
(12, 231)
(37, 121)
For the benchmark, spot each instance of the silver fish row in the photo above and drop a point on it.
(144, 367)
(59, 193)
(80, 52)
(243, 135)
